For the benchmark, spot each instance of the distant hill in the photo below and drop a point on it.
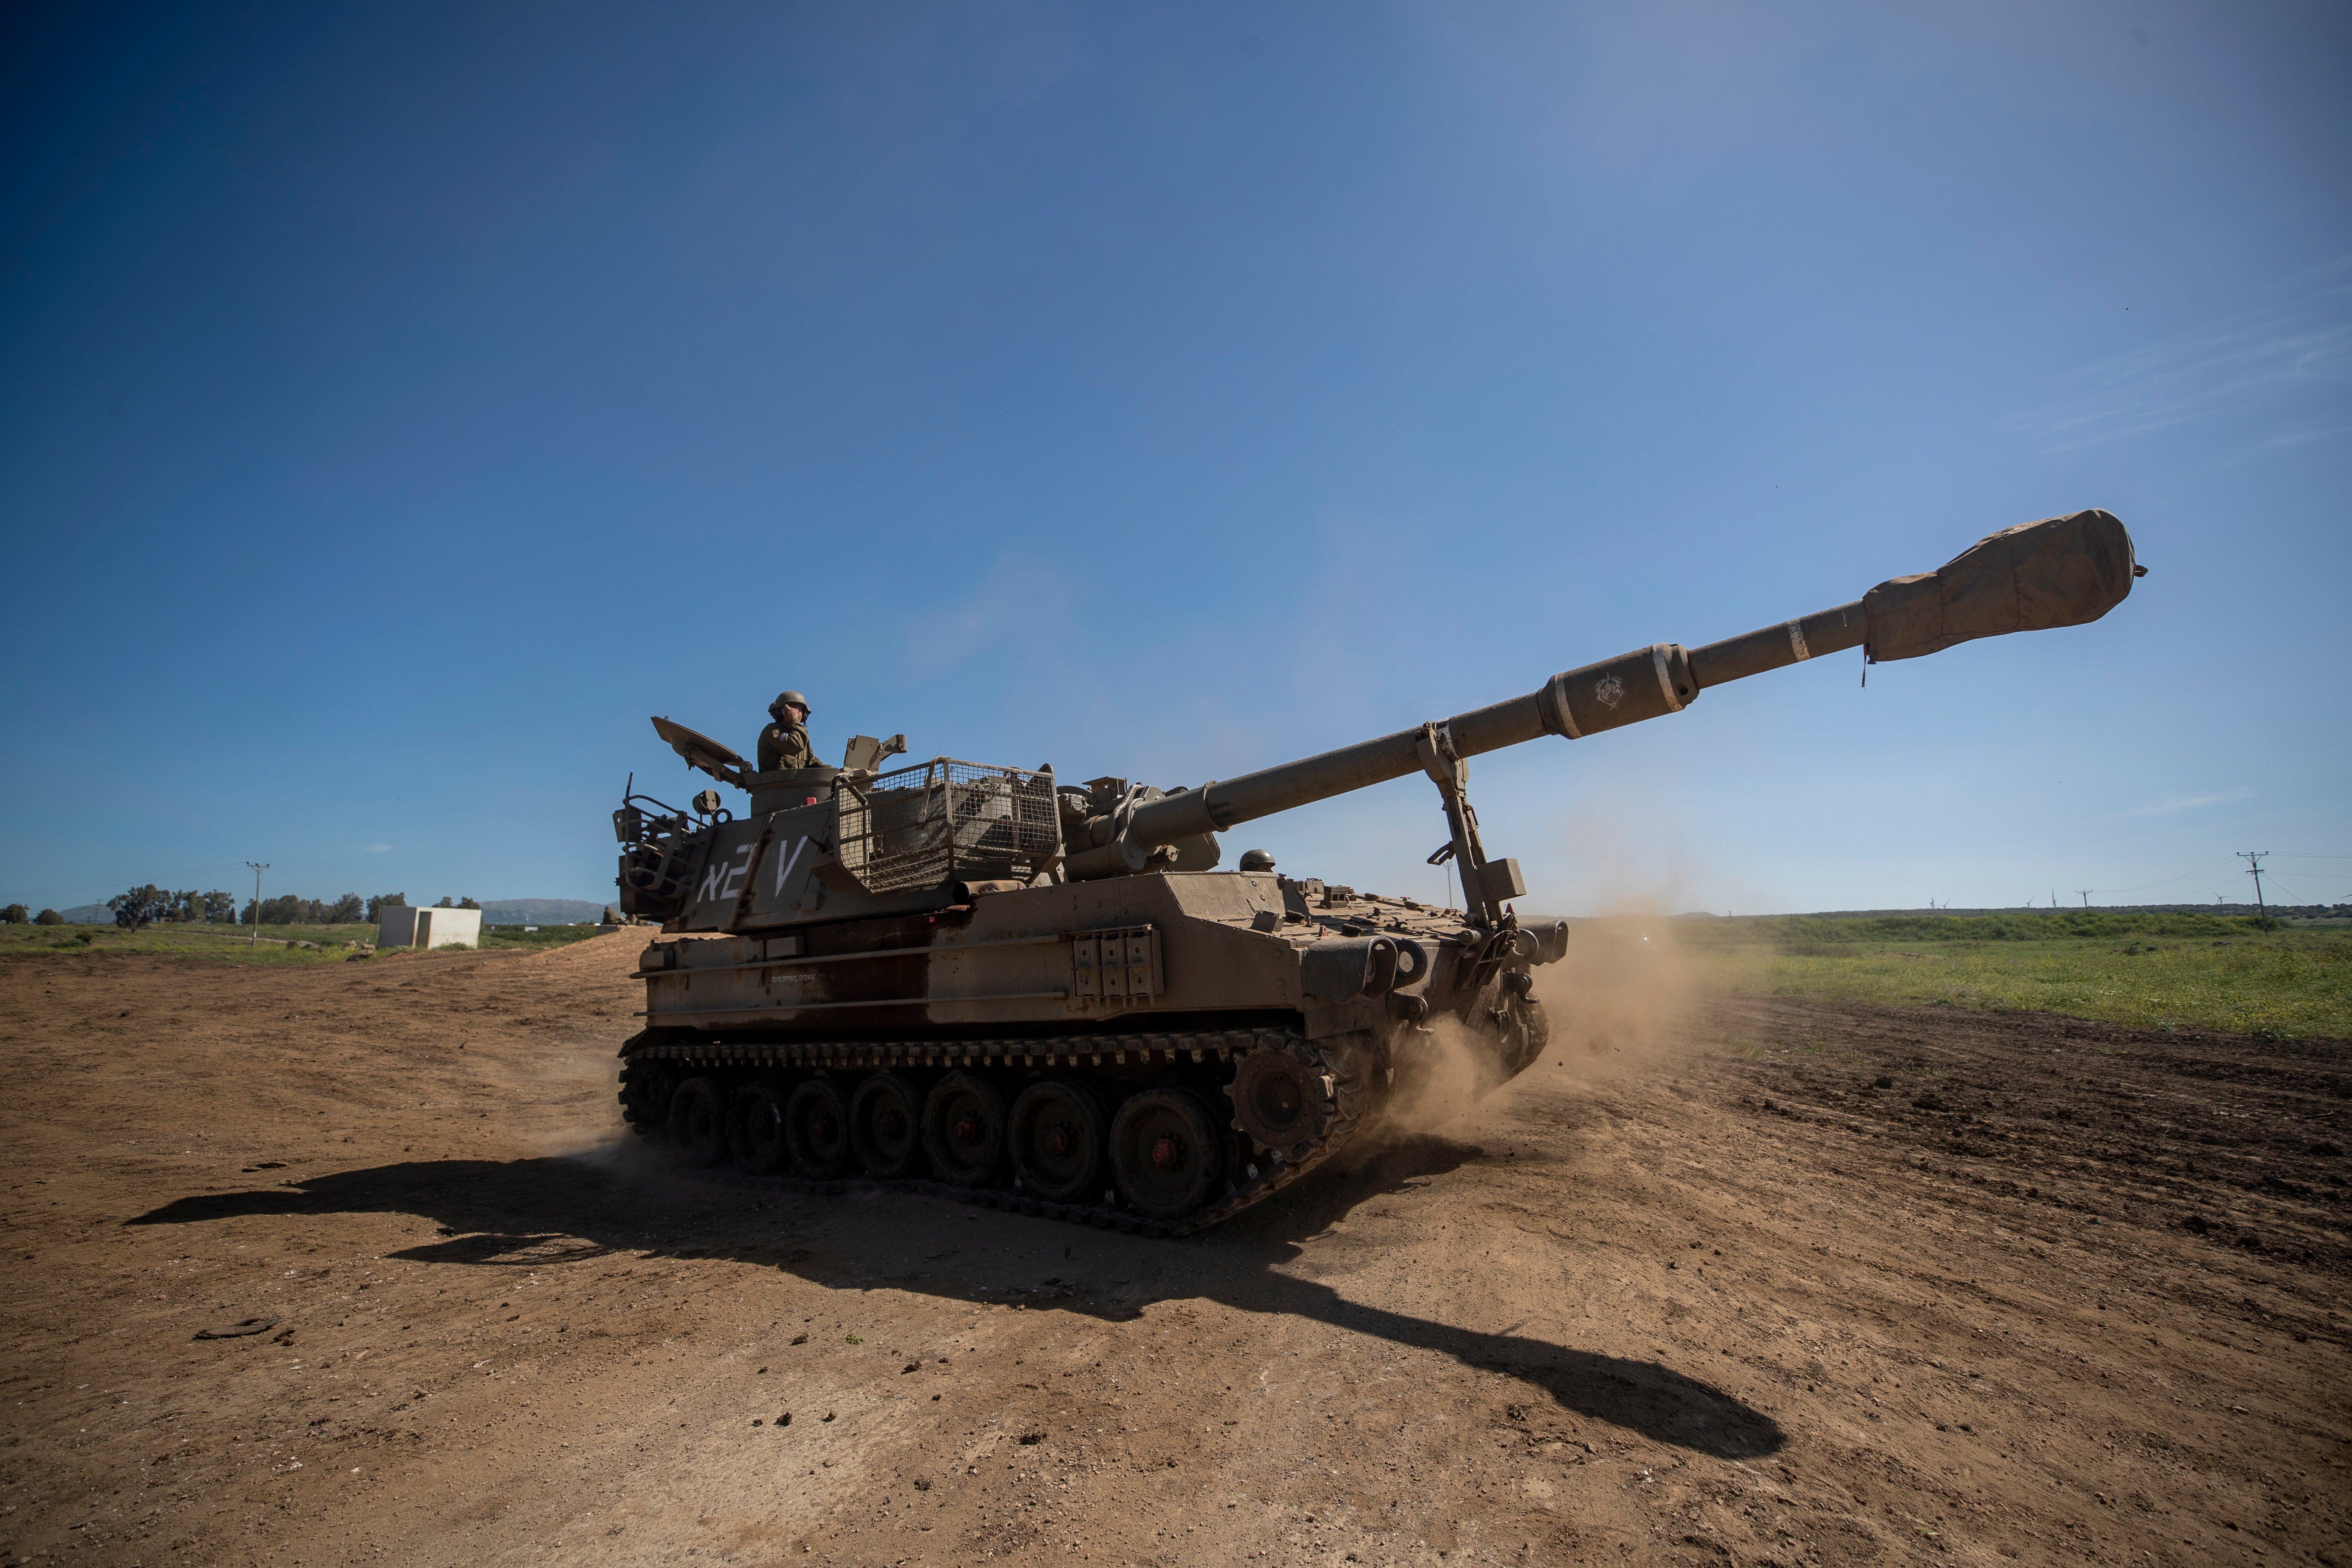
(538, 912)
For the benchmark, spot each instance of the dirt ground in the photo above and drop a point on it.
(1690, 1290)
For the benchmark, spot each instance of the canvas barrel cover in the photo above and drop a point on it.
(2058, 571)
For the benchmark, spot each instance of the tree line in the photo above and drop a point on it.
(149, 905)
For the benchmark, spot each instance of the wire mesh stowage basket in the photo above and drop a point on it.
(918, 826)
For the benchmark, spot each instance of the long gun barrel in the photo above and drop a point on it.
(2058, 571)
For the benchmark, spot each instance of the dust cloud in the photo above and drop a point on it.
(571, 1079)
(1441, 1076)
(573, 1089)
(1619, 998)
(1615, 1003)
(1625, 989)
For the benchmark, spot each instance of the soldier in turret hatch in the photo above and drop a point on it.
(785, 743)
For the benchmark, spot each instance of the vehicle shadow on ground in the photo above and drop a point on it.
(548, 1212)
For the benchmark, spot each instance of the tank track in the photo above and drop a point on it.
(1268, 1172)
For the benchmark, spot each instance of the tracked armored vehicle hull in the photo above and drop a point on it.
(970, 981)
(1150, 1053)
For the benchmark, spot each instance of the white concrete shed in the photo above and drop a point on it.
(398, 925)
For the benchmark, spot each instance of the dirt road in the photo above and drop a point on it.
(2052, 1292)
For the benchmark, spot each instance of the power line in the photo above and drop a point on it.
(120, 881)
(2310, 878)
(2205, 870)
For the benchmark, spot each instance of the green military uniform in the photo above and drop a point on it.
(783, 746)
(785, 743)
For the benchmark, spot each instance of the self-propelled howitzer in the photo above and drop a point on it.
(975, 980)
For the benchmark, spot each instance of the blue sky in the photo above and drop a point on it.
(402, 403)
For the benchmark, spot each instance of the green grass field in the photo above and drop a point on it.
(278, 945)
(2152, 972)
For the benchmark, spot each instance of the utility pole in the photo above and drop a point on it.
(2087, 896)
(254, 939)
(2253, 858)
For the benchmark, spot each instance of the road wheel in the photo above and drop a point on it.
(759, 1130)
(697, 1121)
(1166, 1153)
(647, 1088)
(963, 1130)
(885, 1127)
(1057, 1137)
(816, 1129)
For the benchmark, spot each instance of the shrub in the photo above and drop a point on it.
(141, 906)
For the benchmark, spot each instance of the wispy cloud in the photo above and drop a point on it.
(378, 848)
(2305, 434)
(2171, 803)
(1023, 599)
(2292, 362)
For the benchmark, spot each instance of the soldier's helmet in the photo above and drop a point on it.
(787, 700)
(1257, 860)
